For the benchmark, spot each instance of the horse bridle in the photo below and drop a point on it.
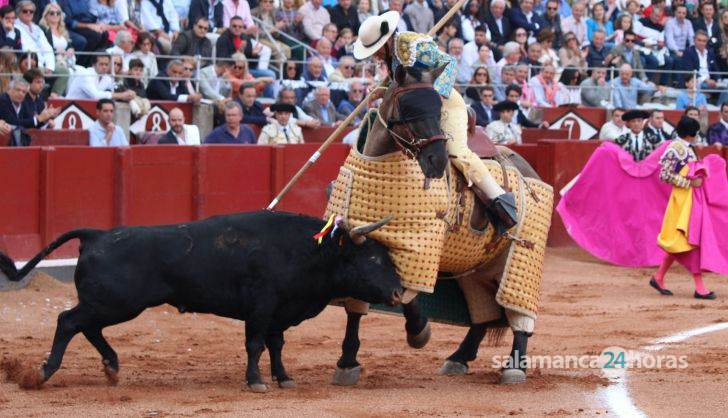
(413, 146)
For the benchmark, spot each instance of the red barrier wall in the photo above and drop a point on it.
(20, 201)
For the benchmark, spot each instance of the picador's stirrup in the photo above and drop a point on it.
(502, 213)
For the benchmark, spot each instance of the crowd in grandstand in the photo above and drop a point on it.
(235, 55)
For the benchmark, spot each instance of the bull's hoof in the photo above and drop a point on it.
(112, 375)
(453, 368)
(287, 384)
(347, 377)
(420, 340)
(258, 387)
(512, 377)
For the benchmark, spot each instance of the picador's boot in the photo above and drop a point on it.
(514, 371)
(502, 213)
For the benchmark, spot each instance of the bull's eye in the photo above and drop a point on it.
(376, 260)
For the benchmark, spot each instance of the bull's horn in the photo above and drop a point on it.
(358, 234)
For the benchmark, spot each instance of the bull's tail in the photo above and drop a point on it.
(7, 266)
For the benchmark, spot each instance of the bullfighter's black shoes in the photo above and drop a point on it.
(708, 296)
(502, 213)
(662, 291)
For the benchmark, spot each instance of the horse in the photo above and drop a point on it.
(402, 127)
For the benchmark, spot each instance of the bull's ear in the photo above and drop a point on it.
(358, 234)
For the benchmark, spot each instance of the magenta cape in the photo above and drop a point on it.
(708, 218)
(615, 208)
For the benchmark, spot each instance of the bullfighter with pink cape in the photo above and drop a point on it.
(617, 209)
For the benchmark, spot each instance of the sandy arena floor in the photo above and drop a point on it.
(193, 365)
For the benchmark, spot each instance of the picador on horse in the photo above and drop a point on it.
(463, 222)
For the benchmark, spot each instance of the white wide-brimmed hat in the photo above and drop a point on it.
(374, 32)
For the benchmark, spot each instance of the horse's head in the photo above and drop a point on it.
(411, 111)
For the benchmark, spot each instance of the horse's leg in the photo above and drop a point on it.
(416, 325)
(515, 369)
(348, 369)
(457, 363)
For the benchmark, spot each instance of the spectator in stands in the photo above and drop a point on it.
(344, 43)
(448, 31)
(214, 84)
(552, 20)
(420, 15)
(598, 54)
(621, 26)
(323, 50)
(545, 88)
(18, 113)
(232, 132)
(86, 33)
(329, 32)
(281, 130)
(571, 55)
(521, 79)
(718, 132)
(520, 36)
(267, 13)
(654, 19)
(626, 52)
(34, 100)
(679, 36)
(322, 109)
(615, 127)
(599, 21)
(287, 95)
(701, 59)
(503, 131)
(481, 78)
(133, 81)
(9, 34)
(59, 38)
(511, 56)
(635, 141)
(208, 8)
(8, 64)
(471, 20)
(546, 39)
(33, 39)
(484, 112)
(315, 16)
(471, 50)
(95, 83)
(626, 88)
(404, 23)
(194, 41)
(455, 50)
(691, 96)
(442, 9)
(499, 26)
(179, 133)
(314, 70)
(344, 73)
(533, 59)
(344, 15)
(363, 10)
(143, 52)
(707, 23)
(654, 130)
(253, 111)
(239, 8)
(239, 74)
(104, 132)
(569, 87)
(160, 18)
(595, 89)
(233, 39)
(123, 47)
(114, 14)
(507, 75)
(173, 88)
(293, 20)
(354, 96)
(524, 17)
(514, 94)
(576, 23)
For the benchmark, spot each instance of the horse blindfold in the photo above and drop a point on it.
(419, 104)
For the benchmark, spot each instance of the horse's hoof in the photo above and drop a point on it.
(258, 387)
(287, 384)
(453, 368)
(512, 377)
(112, 375)
(347, 377)
(420, 340)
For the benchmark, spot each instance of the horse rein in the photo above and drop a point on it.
(413, 146)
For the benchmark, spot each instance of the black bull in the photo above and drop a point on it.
(264, 268)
